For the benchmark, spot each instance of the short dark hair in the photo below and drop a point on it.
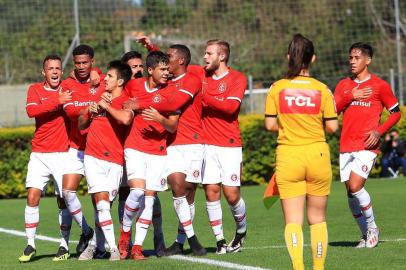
(83, 49)
(365, 48)
(223, 45)
(131, 55)
(123, 70)
(183, 51)
(51, 57)
(155, 58)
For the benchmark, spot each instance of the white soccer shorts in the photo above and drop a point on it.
(359, 162)
(145, 166)
(222, 165)
(187, 159)
(102, 176)
(44, 165)
(74, 162)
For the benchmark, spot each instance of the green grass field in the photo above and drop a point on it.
(264, 246)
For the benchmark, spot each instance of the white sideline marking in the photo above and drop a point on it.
(216, 263)
(176, 257)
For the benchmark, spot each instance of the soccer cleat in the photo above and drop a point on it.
(196, 247)
(362, 243)
(61, 255)
(101, 254)
(236, 243)
(175, 249)
(124, 244)
(114, 254)
(372, 238)
(159, 245)
(221, 247)
(88, 253)
(84, 241)
(28, 254)
(136, 253)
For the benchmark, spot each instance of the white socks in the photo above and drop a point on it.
(106, 223)
(132, 207)
(75, 208)
(31, 216)
(240, 215)
(142, 225)
(215, 217)
(366, 206)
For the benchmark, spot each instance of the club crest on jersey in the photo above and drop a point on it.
(157, 98)
(196, 173)
(93, 90)
(222, 87)
(300, 101)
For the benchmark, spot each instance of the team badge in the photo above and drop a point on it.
(177, 204)
(93, 90)
(222, 87)
(157, 98)
(196, 173)
(234, 177)
(364, 168)
(114, 192)
(163, 182)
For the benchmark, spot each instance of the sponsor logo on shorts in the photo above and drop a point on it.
(196, 173)
(114, 192)
(163, 182)
(234, 177)
(364, 168)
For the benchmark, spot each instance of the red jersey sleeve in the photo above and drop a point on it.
(342, 95)
(390, 102)
(35, 106)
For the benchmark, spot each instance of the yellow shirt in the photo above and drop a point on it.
(300, 104)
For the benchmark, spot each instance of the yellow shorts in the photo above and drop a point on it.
(302, 170)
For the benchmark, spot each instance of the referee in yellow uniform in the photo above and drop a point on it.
(300, 108)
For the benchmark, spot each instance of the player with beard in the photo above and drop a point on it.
(49, 149)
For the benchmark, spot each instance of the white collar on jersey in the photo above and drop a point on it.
(179, 77)
(150, 90)
(221, 76)
(51, 89)
(364, 80)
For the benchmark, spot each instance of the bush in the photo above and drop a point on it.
(258, 155)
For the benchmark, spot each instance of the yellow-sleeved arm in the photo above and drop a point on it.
(329, 111)
(270, 106)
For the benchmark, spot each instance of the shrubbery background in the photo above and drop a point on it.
(258, 155)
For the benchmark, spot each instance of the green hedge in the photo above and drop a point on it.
(258, 155)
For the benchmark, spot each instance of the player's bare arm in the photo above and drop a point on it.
(122, 116)
(169, 123)
(85, 117)
(271, 124)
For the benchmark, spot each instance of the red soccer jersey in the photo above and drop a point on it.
(190, 128)
(82, 96)
(147, 136)
(50, 128)
(361, 117)
(106, 137)
(221, 127)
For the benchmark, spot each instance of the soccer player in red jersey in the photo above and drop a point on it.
(145, 153)
(49, 148)
(104, 154)
(134, 60)
(83, 94)
(361, 98)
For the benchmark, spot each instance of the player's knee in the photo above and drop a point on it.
(33, 200)
(355, 187)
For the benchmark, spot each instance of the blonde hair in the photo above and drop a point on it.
(223, 45)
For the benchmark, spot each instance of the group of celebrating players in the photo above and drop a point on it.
(132, 135)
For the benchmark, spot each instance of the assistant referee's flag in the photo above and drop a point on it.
(271, 194)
